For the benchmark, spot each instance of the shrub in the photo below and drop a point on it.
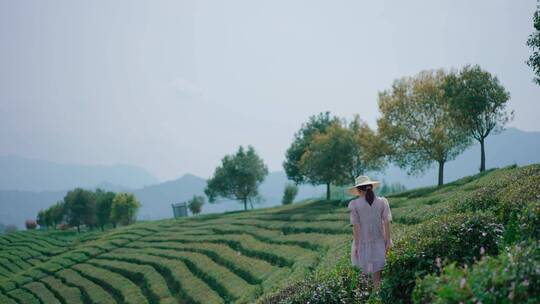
(290, 192)
(511, 277)
(503, 193)
(195, 204)
(343, 284)
(523, 224)
(30, 224)
(10, 228)
(456, 238)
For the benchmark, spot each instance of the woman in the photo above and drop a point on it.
(370, 217)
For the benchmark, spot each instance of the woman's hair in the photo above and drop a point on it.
(368, 189)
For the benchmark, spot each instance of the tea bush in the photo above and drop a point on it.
(511, 277)
(459, 238)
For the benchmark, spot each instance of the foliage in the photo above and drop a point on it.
(534, 43)
(51, 216)
(327, 159)
(511, 277)
(368, 153)
(460, 238)
(289, 193)
(195, 204)
(304, 248)
(316, 124)
(344, 284)
(80, 208)
(387, 189)
(340, 154)
(238, 177)
(478, 104)
(124, 208)
(10, 228)
(104, 200)
(416, 124)
(30, 224)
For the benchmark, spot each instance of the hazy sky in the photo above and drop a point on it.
(173, 86)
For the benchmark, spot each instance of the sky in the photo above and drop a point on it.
(173, 86)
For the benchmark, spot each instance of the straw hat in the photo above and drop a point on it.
(362, 181)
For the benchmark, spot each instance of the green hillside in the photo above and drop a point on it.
(277, 254)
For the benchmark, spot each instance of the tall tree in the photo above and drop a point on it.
(328, 158)
(124, 209)
(104, 200)
(316, 124)
(416, 123)
(80, 207)
(56, 213)
(238, 177)
(368, 152)
(534, 43)
(478, 104)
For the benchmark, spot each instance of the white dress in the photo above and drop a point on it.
(371, 220)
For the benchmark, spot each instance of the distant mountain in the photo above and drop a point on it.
(156, 200)
(23, 174)
(510, 147)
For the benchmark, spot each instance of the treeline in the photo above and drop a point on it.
(426, 119)
(429, 118)
(91, 209)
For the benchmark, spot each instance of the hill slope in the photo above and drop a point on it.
(243, 256)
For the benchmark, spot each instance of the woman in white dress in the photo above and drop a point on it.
(370, 217)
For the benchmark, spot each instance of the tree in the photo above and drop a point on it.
(478, 104)
(55, 214)
(195, 204)
(30, 224)
(416, 124)
(534, 43)
(387, 189)
(238, 177)
(369, 151)
(124, 209)
(328, 158)
(289, 193)
(80, 207)
(104, 202)
(40, 219)
(316, 124)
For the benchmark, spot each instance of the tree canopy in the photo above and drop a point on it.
(195, 204)
(316, 124)
(104, 200)
(478, 104)
(238, 177)
(416, 124)
(534, 43)
(124, 209)
(80, 208)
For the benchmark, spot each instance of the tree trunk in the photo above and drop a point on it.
(245, 204)
(441, 173)
(328, 191)
(78, 229)
(482, 156)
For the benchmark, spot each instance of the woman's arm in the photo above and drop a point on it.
(356, 235)
(387, 235)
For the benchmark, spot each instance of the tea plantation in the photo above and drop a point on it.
(297, 253)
